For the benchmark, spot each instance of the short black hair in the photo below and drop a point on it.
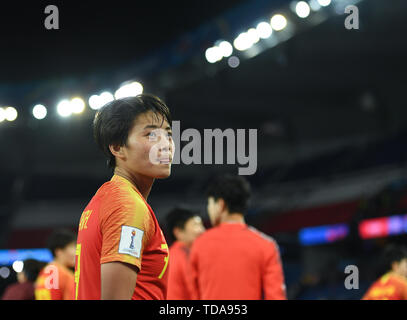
(391, 254)
(177, 218)
(114, 120)
(234, 190)
(32, 268)
(60, 239)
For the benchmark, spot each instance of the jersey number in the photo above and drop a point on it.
(164, 246)
(78, 268)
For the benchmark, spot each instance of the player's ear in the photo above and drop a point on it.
(58, 252)
(117, 151)
(221, 205)
(177, 233)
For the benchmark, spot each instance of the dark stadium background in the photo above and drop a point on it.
(329, 105)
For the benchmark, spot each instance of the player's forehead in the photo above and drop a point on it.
(193, 220)
(151, 120)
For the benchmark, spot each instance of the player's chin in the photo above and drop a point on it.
(162, 171)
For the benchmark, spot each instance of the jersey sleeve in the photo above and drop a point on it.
(273, 277)
(125, 227)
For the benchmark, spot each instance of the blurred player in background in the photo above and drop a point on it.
(56, 280)
(232, 260)
(393, 284)
(24, 288)
(184, 227)
(120, 243)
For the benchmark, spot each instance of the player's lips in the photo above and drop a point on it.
(165, 160)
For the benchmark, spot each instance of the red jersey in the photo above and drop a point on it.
(177, 277)
(119, 225)
(55, 282)
(388, 287)
(19, 291)
(235, 262)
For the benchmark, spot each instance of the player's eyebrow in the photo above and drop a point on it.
(151, 126)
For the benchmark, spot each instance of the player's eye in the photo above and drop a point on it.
(152, 134)
(169, 134)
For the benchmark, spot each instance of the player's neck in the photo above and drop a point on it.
(59, 261)
(397, 274)
(233, 218)
(142, 183)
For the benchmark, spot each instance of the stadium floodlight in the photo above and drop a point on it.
(226, 48)
(233, 62)
(105, 98)
(243, 42)
(264, 30)
(278, 22)
(10, 113)
(18, 266)
(39, 112)
(77, 105)
(2, 115)
(324, 3)
(95, 102)
(213, 54)
(302, 9)
(129, 90)
(314, 4)
(64, 108)
(4, 272)
(253, 35)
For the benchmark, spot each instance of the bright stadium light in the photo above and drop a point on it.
(10, 113)
(39, 112)
(18, 266)
(278, 22)
(314, 4)
(233, 62)
(302, 9)
(324, 3)
(243, 42)
(129, 90)
(264, 30)
(77, 105)
(64, 108)
(2, 115)
(4, 272)
(106, 97)
(213, 54)
(253, 35)
(95, 102)
(226, 49)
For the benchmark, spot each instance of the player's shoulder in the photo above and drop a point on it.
(400, 280)
(261, 237)
(117, 194)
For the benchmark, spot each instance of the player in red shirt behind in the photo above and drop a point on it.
(233, 261)
(56, 279)
(184, 226)
(393, 284)
(121, 251)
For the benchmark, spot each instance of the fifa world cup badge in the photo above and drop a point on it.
(133, 233)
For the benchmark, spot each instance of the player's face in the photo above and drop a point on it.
(69, 255)
(150, 147)
(402, 268)
(214, 211)
(192, 229)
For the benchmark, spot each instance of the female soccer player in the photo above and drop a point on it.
(120, 243)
